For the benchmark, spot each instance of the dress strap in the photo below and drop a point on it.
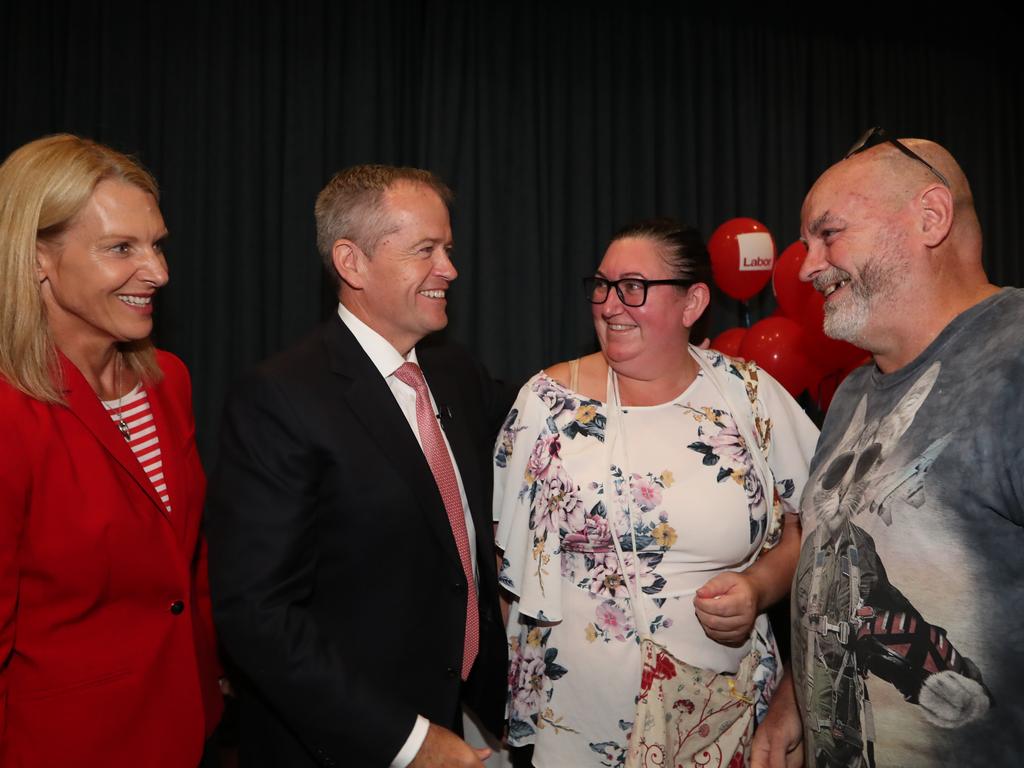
(574, 375)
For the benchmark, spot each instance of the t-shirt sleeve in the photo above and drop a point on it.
(1016, 478)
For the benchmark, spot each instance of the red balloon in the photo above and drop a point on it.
(777, 345)
(830, 354)
(791, 294)
(825, 389)
(812, 314)
(728, 342)
(742, 254)
(827, 353)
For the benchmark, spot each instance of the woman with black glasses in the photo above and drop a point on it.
(634, 490)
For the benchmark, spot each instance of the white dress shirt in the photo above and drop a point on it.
(387, 360)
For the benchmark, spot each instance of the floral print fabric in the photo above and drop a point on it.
(696, 508)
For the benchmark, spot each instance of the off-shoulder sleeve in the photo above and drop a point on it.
(526, 462)
(783, 432)
(791, 441)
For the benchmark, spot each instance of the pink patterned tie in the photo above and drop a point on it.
(444, 475)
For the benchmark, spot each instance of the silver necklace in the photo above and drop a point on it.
(122, 426)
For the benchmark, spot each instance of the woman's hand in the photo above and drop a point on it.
(726, 607)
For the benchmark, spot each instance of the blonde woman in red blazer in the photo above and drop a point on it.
(107, 652)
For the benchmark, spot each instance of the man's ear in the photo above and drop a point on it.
(698, 296)
(935, 209)
(349, 262)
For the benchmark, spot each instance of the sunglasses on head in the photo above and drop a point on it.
(874, 136)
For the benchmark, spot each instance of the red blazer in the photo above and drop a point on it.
(107, 651)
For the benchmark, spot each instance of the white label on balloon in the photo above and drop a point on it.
(756, 251)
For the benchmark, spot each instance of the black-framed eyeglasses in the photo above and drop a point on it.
(874, 136)
(632, 291)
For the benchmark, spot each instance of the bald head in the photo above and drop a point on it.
(891, 178)
(895, 248)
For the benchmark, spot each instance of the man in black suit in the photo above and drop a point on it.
(351, 555)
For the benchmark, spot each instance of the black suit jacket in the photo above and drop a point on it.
(338, 590)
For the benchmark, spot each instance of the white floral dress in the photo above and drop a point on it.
(697, 509)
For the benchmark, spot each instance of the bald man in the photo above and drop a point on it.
(908, 601)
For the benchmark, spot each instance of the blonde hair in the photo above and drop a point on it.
(43, 186)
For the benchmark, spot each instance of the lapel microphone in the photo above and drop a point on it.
(444, 413)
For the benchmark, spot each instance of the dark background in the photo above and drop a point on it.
(555, 124)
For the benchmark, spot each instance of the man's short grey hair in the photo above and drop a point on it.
(351, 206)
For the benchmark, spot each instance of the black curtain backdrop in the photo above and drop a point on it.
(555, 124)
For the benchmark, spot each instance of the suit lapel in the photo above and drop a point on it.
(373, 404)
(84, 404)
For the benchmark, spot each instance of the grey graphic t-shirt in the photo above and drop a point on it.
(908, 629)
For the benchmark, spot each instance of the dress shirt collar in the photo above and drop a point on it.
(384, 356)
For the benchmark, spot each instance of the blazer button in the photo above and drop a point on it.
(177, 607)
(451, 672)
(457, 586)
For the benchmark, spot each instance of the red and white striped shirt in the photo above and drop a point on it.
(144, 442)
